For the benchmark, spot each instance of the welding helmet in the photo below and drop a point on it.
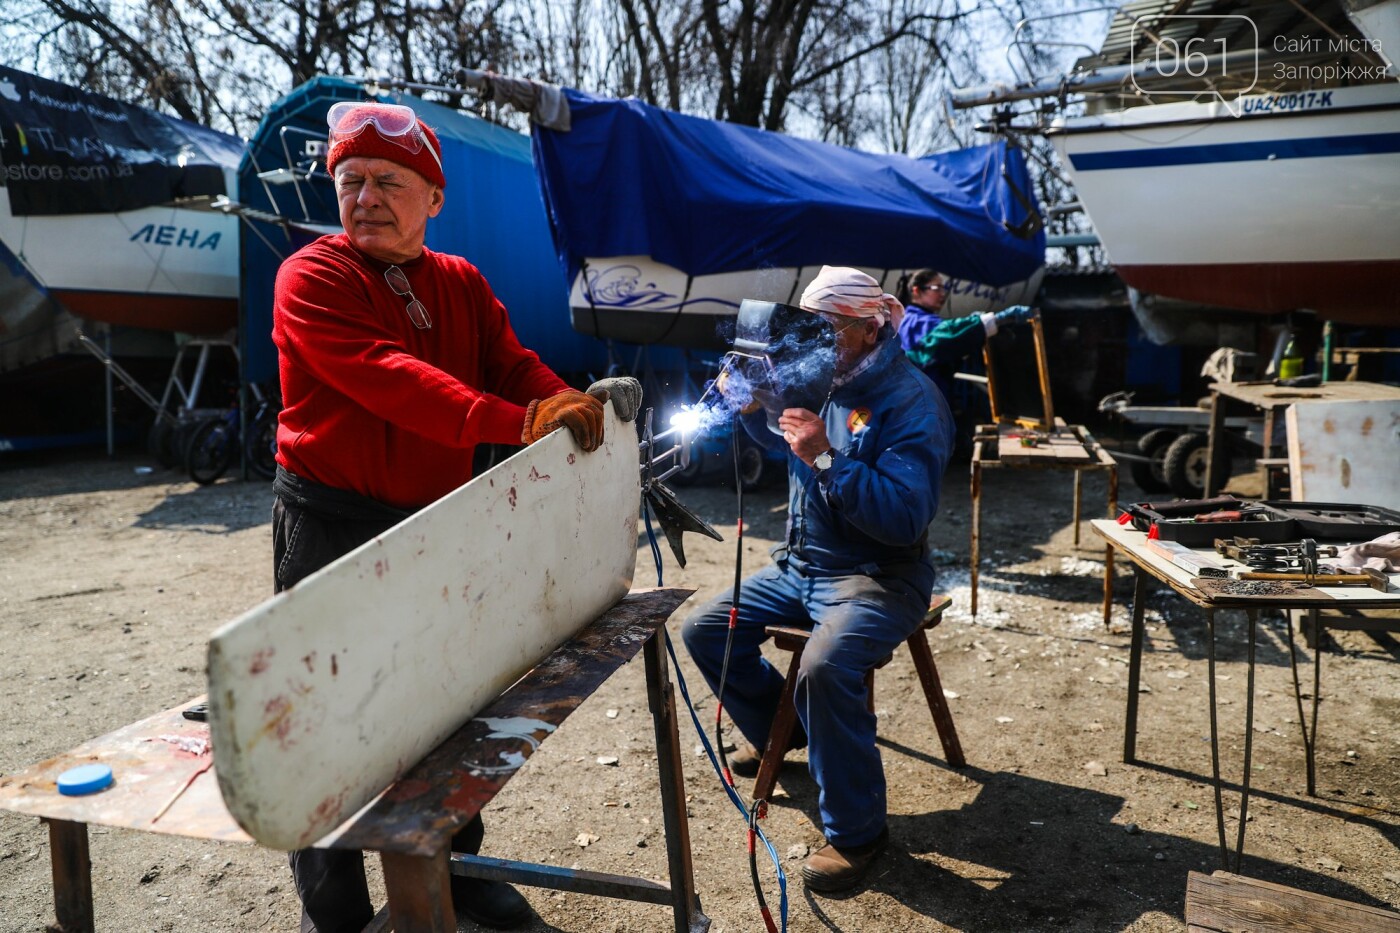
(787, 357)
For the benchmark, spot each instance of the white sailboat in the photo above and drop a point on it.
(1273, 187)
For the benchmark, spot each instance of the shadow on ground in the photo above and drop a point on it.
(1032, 854)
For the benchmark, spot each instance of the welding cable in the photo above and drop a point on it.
(750, 813)
(757, 807)
(733, 605)
(735, 799)
(755, 812)
(651, 537)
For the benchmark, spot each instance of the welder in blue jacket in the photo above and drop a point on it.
(863, 475)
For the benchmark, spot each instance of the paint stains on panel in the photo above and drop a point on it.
(407, 790)
(571, 458)
(335, 666)
(536, 476)
(261, 660)
(510, 497)
(310, 661)
(381, 567)
(1329, 426)
(1346, 473)
(277, 721)
(1366, 427)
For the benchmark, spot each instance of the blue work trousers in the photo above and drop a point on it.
(856, 621)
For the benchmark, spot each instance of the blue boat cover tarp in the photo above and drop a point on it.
(708, 197)
(493, 216)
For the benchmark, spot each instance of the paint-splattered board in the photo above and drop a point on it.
(323, 695)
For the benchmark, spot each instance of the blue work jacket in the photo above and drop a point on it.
(869, 513)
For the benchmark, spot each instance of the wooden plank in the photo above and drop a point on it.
(1266, 395)
(1345, 452)
(1232, 904)
(72, 876)
(322, 696)
(150, 760)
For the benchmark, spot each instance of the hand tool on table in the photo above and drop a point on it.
(1368, 577)
(1275, 558)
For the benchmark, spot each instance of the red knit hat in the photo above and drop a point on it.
(359, 130)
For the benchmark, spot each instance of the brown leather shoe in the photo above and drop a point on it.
(833, 869)
(744, 760)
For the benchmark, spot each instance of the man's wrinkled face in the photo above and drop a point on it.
(385, 206)
(855, 336)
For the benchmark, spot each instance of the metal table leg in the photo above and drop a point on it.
(1253, 616)
(1309, 733)
(685, 903)
(1135, 666)
(420, 892)
(1215, 738)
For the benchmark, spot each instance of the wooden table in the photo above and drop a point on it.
(1149, 564)
(1271, 399)
(165, 784)
(1068, 447)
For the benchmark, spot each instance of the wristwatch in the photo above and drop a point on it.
(824, 460)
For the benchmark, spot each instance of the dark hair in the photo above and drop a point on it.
(904, 289)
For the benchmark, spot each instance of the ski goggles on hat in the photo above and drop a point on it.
(395, 123)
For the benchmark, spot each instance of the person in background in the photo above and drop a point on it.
(395, 363)
(938, 345)
(864, 477)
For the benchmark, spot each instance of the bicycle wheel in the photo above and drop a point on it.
(261, 446)
(211, 450)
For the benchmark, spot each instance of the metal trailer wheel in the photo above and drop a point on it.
(261, 447)
(1151, 476)
(1184, 465)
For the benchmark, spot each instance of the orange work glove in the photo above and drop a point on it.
(582, 414)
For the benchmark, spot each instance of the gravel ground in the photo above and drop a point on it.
(113, 574)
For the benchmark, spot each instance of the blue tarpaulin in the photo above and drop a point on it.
(708, 197)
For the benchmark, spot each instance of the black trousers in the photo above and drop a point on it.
(331, 882)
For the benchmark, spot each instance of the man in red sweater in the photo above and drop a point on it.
(395, 363)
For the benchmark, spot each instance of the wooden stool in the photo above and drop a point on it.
(795, 639)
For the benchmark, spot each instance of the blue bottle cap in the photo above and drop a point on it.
(88, 779)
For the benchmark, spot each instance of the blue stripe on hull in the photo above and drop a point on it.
(1317, 147)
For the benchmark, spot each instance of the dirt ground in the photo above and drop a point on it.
(113, 574)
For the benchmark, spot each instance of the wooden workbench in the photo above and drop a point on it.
(413, 821)
(1271, 399)
(1150, 564)
(1067, 447)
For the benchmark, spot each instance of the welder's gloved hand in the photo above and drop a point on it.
(728, 391)
(1016, 314)
(581, 413)
(625, 392)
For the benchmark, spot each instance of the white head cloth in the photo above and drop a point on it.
(843, 290)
